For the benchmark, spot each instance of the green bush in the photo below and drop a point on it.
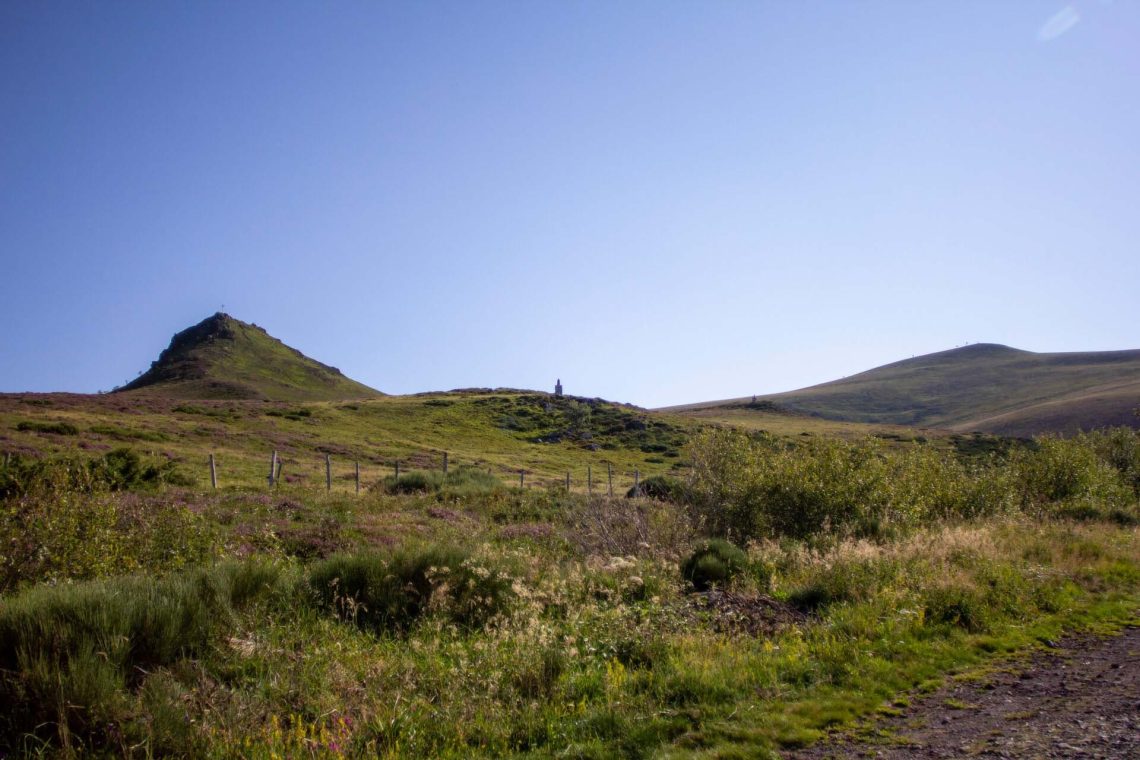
(714, 562)
(460, 482)
(1062, 471)
(59, 428)
(392, 592)
(743, 487)
(420, 481)
(76, 535)
(660, 487)
(24, 475)
(128, 434)
(121, 469)
(291, 414)
(1120, 449)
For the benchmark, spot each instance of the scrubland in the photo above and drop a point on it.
(775, 591)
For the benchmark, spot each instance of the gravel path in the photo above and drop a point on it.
(1078, 700)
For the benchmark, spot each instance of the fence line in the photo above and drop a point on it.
(276, 465)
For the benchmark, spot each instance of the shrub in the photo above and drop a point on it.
(313, 541)
(121, 469)
(24, 475)
(743, 487)
(460, 482)
(127, 434)
(714, 562)
(392, 592)
(413, 482)
(1120, 449)
(609, 527)
(660, 487)
(290, 414)
(76, 535)
(59, 428)
(1061, 471)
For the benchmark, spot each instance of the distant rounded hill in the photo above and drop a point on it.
(225, 358)
(985, 387)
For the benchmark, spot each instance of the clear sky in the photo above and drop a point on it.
(657, 202)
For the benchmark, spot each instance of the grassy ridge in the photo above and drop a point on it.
(504, 431)
(227, 388)
(983, 387)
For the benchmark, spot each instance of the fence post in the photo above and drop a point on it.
(567, 481)
(610, 478)
(328, 472)
(589, 480)
(521, 478)
(213, 472)
(636, 483)
(397, 469)
(273, 469)
(358, 478)
(445, 463)
(280, 466)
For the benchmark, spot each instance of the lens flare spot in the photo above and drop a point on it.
(1060, 22)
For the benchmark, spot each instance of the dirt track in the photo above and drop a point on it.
(1079, 700)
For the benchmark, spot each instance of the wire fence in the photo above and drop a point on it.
(337, 474)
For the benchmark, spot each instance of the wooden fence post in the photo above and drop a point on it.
(589, 480)
(273, 469)
(213, 473)
(567, 482)
(397, 469)
(610, 478)
(328, 472)
(521, 478)
(636, 483)
(358, 478)
(445, 463)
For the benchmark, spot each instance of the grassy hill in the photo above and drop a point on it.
(227, 388)
(501, 430)
(984, 387)
(225, 358)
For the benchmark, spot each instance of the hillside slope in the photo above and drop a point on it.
(502, 430)
(225, 358)
(984, 387)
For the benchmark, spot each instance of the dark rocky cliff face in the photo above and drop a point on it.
(176, 362)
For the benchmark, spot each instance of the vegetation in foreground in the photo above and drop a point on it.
(485, 620)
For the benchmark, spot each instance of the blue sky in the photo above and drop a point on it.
(658, 202)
